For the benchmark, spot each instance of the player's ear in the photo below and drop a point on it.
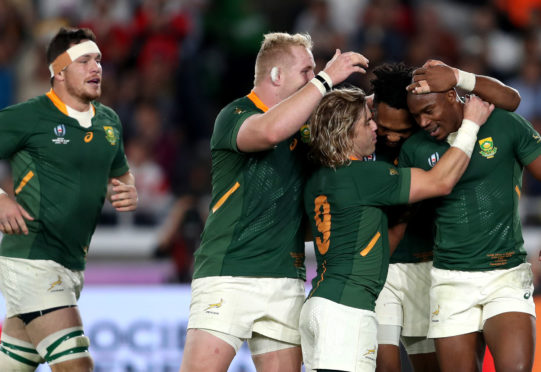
(60, 75)
(451, 95)
(275, 75)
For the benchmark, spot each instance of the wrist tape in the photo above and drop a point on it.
(466, 80)
(323, 82)
(466, 137)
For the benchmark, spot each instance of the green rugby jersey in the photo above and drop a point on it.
(418, 241)
(478, 224)
(60, 174)
(350, 228)
(254, 226)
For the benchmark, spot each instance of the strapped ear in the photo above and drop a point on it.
(275, 74)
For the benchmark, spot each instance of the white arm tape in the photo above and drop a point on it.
(2, 192)
(466, 80)
(466, 136)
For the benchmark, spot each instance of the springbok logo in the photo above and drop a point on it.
(435, 314)
(55, 284)
(370, 352)
(216, 305)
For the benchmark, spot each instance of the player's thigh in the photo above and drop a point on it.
(425, 362)
(60, 340)
(388, 359)
(53, 322)
(511, 339)
(271, 355)
(204, 351)
(460, 353)
(15, 327)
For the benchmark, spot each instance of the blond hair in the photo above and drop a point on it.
(332, 126)
(275, 49)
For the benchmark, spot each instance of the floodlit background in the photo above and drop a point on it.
(169, 66)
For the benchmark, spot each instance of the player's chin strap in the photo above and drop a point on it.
(64, 345)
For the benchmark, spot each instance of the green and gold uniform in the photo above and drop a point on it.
(478, 225)
(350, 228)
(254, 225)
(60, 174)
(418, 241)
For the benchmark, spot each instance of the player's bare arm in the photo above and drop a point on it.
(436, 76)
(263, 131)
(122, 193)
(12, 216)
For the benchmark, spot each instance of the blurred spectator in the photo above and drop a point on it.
(11, 37)
(431, 39)
(384, 31)
(503, 51)
(152, 184)
(528, 83)
(316, 21)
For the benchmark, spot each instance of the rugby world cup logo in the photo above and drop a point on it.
(433, 159)
(60, 130)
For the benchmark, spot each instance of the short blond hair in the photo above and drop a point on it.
(275, 48)
(332, 126)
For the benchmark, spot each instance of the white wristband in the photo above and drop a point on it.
(319, 85)
(466, 80)
(466, 137)
(326, 77)
(2, 192)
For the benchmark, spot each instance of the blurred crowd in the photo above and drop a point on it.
(170, 65)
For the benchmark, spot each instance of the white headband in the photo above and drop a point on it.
(70, 55)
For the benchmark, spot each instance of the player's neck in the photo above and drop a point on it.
(268, 96)
(71, 101)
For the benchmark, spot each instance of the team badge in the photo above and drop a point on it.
(433, 159)
(488, 150)
(60, 132)
(305, 133)
(393, 171)
(110, 135)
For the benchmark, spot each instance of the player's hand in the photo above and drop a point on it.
(434, 76)
(123, 196)
(342, 65)
(12, 216)
(477, 110)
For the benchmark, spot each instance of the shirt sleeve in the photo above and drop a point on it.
(227, 125)
(120, 163)
(527, 142)
(384, 184)
(15, 128)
